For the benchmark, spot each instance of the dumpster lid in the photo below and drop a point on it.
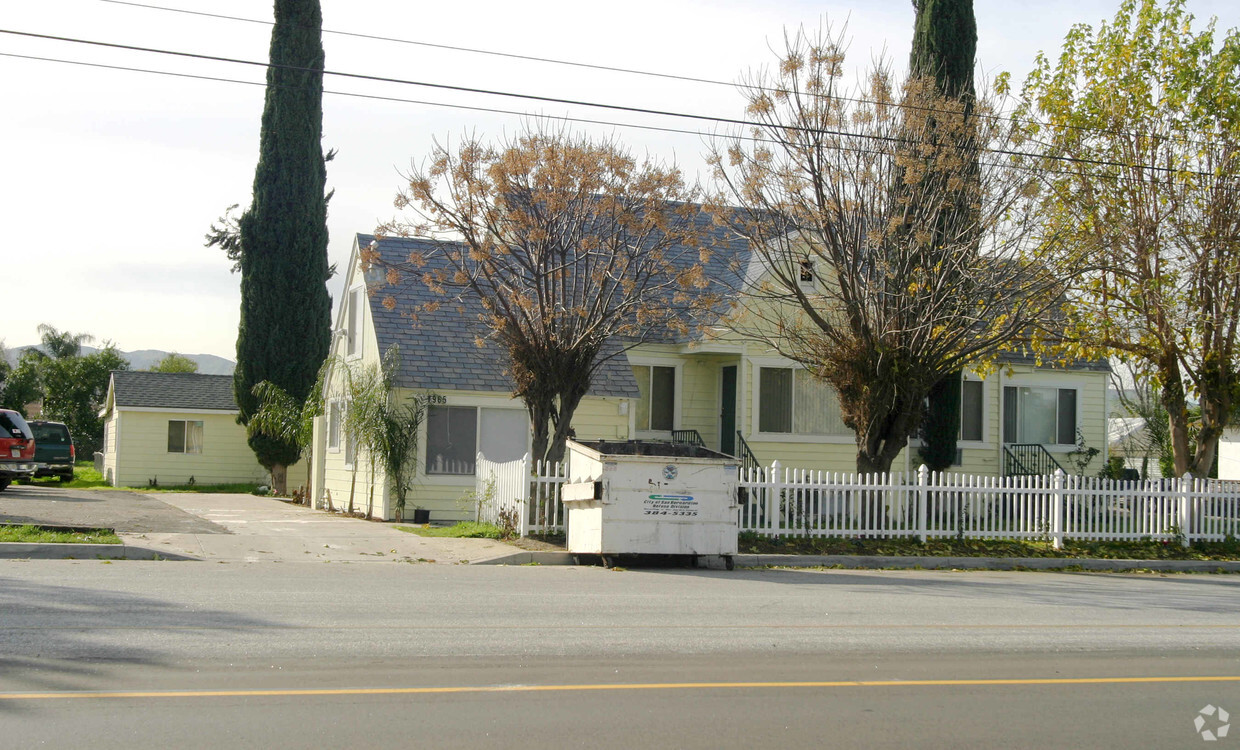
(655, 448)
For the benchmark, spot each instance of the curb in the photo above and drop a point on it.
(875, 562)
(529, 558)
(985, 563)
(51, 551)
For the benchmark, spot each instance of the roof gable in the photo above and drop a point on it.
(167, 390)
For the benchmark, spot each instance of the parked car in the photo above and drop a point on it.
(16, 448)
(53, 450)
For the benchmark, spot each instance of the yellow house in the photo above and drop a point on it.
(737, 397)
(175, 428)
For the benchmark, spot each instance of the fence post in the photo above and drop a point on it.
(479, 487)
(772, 497)
(523, 502)
(923, 498)
(1057, 498)
(1185, 517)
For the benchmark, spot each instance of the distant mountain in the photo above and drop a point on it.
(145, 359)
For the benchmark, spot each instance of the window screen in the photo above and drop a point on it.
(504, 434)
(971, 409)
(775, 399)
(451, 439)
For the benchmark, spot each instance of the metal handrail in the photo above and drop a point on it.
(748, 459)
(690, 437)
(1024, 459)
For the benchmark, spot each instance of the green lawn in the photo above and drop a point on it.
(751, 543)
(462, 530)
(86, 478)
(29, 533)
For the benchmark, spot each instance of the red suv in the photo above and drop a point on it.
(16, 448)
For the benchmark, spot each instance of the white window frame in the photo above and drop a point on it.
(335, 407)
(185, 427)
(986, 397)
(756, 407)
(677, 395)
(478, 403)
(353, 343)
(1043, 383)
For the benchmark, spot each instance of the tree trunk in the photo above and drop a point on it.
(540, 423)
(563, 428)
(370, 497)
(1177, 414)
(352, 486)
(279, 479)
(877, 449)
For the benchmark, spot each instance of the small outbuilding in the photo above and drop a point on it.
(174, 428)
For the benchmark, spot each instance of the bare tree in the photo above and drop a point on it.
(1143, 116)
(570, 246)
(886, 255)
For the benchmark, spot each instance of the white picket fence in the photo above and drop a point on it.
(780, 501)
(523, 494)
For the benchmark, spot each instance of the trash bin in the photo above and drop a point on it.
(651, 498)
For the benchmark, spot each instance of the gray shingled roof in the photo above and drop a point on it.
(166, 390)
(439, 349)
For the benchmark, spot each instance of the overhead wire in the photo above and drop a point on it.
(570, 102)
(472, 108)
(616, 69)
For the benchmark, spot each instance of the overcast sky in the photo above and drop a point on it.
(112, 177)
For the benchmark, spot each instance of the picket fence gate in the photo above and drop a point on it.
(781, 501)
(523, 495)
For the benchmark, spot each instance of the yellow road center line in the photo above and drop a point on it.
(610, 686)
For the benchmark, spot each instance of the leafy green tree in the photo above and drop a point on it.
(175, 362)
(944, 46)
(73, 392)
(1146, 108)
(284, 332)
(72, 386)
(941, 426)
(23, 385)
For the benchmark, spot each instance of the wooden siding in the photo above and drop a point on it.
(141, 452)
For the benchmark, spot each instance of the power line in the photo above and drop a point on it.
(575, 102)
(356, 95)
(491, 110)
(616, 69)
(438, 45)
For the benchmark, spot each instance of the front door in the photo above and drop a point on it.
(727, 412)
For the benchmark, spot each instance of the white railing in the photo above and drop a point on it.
(522, 494)
(779, 501)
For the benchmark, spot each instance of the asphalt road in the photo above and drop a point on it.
(45, 502)
(316, 655)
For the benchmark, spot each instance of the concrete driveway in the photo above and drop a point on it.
(235, 528)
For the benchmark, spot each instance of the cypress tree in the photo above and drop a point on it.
(285, 308)
(944, 46)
